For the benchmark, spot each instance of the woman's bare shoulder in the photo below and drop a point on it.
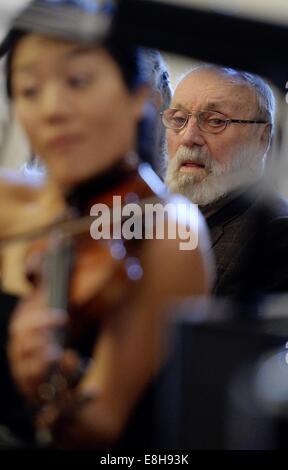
(179, 254)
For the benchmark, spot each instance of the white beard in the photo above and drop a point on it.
(245, 167)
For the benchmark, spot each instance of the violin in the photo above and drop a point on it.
(85, 276)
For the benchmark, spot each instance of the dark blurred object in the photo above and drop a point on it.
(256, 46)
(13, 410)
(258, 404)
(209, 398)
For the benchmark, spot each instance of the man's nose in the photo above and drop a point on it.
(55, 105)
(192, 134)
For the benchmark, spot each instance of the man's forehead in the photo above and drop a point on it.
(212, 89)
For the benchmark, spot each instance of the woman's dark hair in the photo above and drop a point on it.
(16, 36)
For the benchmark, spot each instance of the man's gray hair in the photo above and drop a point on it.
(264, 95)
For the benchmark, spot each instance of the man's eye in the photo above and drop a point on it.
(178, 121)
(215, 122)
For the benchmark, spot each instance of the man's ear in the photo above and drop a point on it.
(140, 97)
(266, 136)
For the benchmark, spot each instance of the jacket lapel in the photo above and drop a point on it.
(225, 231)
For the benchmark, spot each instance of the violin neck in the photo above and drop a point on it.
(58, 272)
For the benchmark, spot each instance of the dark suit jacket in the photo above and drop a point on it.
(249, 238)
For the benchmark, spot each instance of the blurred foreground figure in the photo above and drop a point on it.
(80, 96)
(219, 130)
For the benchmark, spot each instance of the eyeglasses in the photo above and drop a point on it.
(208, 121)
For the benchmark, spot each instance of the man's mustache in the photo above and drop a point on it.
(195, 154)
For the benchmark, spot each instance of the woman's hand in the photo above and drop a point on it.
(32, 345)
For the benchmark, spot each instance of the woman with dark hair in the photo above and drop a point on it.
(80, 99)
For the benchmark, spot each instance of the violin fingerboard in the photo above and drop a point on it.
(58, 265)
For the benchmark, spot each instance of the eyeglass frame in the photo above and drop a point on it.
(227, 121)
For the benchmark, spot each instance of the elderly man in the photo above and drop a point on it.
(219, 130)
